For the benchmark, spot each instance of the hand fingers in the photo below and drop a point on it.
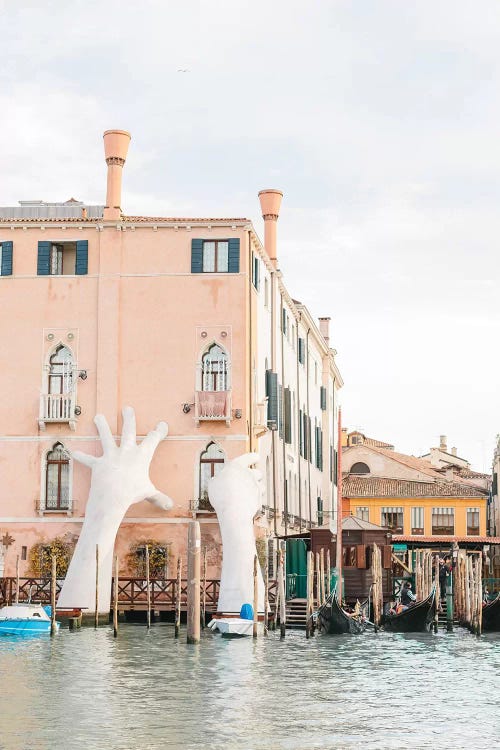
(107, 439)
(246, 460)
(129, 433)
(153, 438)
(160, 500)
(84, 458)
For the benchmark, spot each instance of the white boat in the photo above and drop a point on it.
(24, 619)
(233, 626)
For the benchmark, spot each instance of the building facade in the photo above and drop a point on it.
(187, 320)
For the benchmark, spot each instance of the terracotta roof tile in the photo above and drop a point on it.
(367, 486)
(449, 539)
(180, 220)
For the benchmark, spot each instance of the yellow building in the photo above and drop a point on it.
(435, 497)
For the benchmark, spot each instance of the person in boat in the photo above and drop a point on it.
(407, 596)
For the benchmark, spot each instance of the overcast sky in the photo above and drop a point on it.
(379, 120)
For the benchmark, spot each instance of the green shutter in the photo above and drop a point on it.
(272, 399)
(82, 258)
(196, 256)
(305, 436)
(43, 264)
(301, 350)
(309, 438)
(283, 321)
(322, 398)
(6, 269)
(288, 416)
(233, 264)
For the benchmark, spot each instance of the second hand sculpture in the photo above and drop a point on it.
(120, 478)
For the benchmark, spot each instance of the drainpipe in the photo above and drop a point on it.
(282, 337)
(339, 503)
(299, 425)
(309, 435)
(250, 345)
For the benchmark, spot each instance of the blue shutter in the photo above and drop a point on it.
(82, 257)
(233, 264)
(6, 269)
(43, 265)
(196, 256)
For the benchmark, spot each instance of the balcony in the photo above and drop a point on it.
(57, 408)
(212, 406)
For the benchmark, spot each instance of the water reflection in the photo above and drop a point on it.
(149, 690)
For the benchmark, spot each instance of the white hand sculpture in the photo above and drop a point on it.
(236, 496)
(120, 478)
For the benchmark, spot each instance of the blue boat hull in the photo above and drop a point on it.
(24, 627)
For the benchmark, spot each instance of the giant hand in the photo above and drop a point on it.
(120, 478)
(236, 495)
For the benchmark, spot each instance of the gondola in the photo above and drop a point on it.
(491, 616)
(415, 619)
(334, 620)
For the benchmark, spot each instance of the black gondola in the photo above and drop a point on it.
(415, 619)
(491, 616)
(334, 620)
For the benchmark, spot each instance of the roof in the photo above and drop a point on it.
(74, 214)
(427, 539)
(413, 462)
(469, 474)
(352, 523)
(370, 441)
(354, 485)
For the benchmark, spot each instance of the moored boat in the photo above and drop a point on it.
(416, 619)
(332, 619)
(491, 616)
(24, 619)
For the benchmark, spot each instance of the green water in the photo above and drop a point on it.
(147, 690)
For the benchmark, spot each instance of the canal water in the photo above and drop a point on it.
(146, 690)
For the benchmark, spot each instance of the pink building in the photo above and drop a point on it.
(188, 321)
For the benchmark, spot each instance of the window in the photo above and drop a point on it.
(211, 462)
(473, 521)
(393, 518)
(214, 369)
(302, 350)
(272, 399)
(255, 272)
(6, 258)
(266, 291)
(24, 553)
(417, 521)
(349, 555)
(443, 521)
(320, 511)
(315, 373)
(322, 398)
(57, 479)
(360, 468)
(61, 371)
(363, 513)
(215, 256)
(62, 258)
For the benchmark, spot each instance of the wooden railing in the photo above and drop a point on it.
(132, 592)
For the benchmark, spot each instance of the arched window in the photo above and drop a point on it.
(211, 462)
(57, 479)
(61, 371)
(360, 468)
(214, 369)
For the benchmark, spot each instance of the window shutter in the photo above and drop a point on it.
(301, 350)
(82, 257)
(288, 416)
(280, 410)
(361, 556)
(6, 269)
(272, 399)
(196, 256)
(43, 265)
(301, 434)
(309, 437)
(322, 398)
(387, 556)
(306, 436)
(233, 264)
(283, 322)
(335, 468)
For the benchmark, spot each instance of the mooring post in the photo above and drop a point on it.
(17, 580)
(328, 573)
(308, 595)
(193, 589)
(96, 613)
(115, 599)
(480, 593)
(436, 593)
(449, 602)
(266, 592)
(204, 592)
(177, 626)
(53, 585)
(255, 597)
(148, 589)
(281, 584)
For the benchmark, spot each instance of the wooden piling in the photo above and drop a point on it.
(53, 587)
(148, 590)
(193, 592)
(322, 575)
(178, 587)
(281, 585)
(255, 597)
(266, 592)
(17, 579)
(96, 612)
(328, 573)
(204, 592)
(436, 593)
(115, 599)
(480, 593)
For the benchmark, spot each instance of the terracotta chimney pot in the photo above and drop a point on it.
(116, 143)
(270, 203)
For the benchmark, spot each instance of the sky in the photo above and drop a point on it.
(378, 119)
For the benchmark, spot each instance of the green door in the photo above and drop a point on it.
(296, 569)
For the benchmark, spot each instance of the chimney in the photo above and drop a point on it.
(116, 143)
(442, 443)
(453, 451)
(270, 202)
(324, 329)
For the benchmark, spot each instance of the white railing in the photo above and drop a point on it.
(56, 407)
(212, 406)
